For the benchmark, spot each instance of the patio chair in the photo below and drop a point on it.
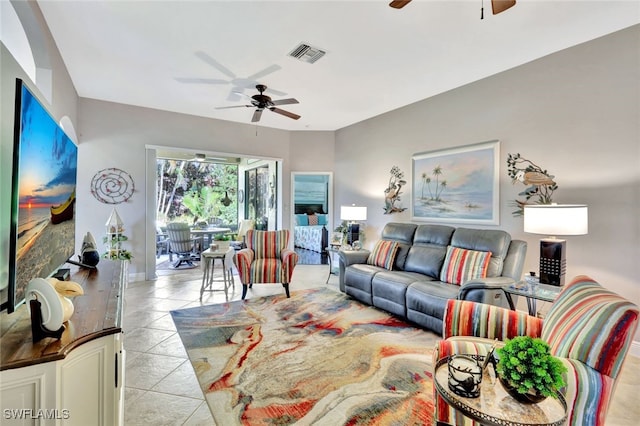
(181, 243)
(162, 242)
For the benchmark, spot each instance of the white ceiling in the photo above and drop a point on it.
(159, 54)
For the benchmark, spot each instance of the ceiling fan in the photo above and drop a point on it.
(239, 84)
(262, 102)
(496, 5)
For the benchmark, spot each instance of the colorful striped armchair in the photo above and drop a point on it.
(266, 259)
(588, 327)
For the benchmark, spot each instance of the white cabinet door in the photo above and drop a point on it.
(89, 386)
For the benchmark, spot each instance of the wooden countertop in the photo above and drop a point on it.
(97, 313)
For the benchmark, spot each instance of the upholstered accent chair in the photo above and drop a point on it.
(181, 243)
(266, 259)
(588, 327)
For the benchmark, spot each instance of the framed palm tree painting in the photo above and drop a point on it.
(457, 185)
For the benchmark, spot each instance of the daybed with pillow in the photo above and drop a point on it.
(310, 231)
(415, 269)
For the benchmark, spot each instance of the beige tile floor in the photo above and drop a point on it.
(160, 386)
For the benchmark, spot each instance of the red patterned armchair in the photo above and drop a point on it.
(266, 259)
(588, 327)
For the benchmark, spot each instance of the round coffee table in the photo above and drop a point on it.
(495, 406)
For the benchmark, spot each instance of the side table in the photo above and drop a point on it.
(544, 292)
(495, 406)
(209, 258)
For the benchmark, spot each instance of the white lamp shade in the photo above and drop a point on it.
(353, 213)
(556, 219)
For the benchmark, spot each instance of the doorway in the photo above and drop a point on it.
(312, 214)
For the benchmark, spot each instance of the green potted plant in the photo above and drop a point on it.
(528, 371)
(223, 241)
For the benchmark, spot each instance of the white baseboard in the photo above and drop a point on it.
(138, 276)
(635, 348)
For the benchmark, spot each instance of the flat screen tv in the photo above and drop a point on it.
(45, 162)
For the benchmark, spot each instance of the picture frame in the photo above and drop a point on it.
(457, 185)
(336, 239)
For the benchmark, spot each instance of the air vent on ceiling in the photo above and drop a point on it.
(307, 53)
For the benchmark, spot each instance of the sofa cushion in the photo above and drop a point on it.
(461, 265)
(403, 234)
(428, 250)
(383, 254)
(389, 290)
(495, 241)
(359, 277)
(426, 302)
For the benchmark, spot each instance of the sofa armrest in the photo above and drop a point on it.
(466, 318)
(350, 257)
(486, 290)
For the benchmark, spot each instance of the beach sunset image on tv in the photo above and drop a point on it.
(44, 194)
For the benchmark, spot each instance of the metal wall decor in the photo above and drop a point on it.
(393, 191)
(112, 186)
(540, 184)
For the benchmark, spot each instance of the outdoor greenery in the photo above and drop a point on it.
(192, 191)
(527, 364)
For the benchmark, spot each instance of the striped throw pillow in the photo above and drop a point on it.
(383, 254)
(461, 265)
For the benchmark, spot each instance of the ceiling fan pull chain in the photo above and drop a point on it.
(482, 9)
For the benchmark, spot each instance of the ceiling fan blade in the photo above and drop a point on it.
(208, 59)
(235, 106)
(285, 113)
(275, 92)
(285, 101)
(499, 6)
(266, 71)
(399, 4)
(256, 116)
(201, 80)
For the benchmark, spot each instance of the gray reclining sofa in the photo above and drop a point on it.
(413, 289)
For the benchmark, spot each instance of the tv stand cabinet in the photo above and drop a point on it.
(79, 379)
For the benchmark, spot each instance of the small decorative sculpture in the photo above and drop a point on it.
(89, 254)
(65, 290)
(541, 183)
(393, 191)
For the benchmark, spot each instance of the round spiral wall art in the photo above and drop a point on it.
(112, 186)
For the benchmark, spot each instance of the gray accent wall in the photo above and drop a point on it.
(575, 113)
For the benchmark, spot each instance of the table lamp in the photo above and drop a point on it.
(553, 220)
(352, 214)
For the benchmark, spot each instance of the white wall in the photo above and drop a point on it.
(64, 102)
(575, 113)
(115, 135)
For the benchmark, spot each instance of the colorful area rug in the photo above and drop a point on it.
(317, 358)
